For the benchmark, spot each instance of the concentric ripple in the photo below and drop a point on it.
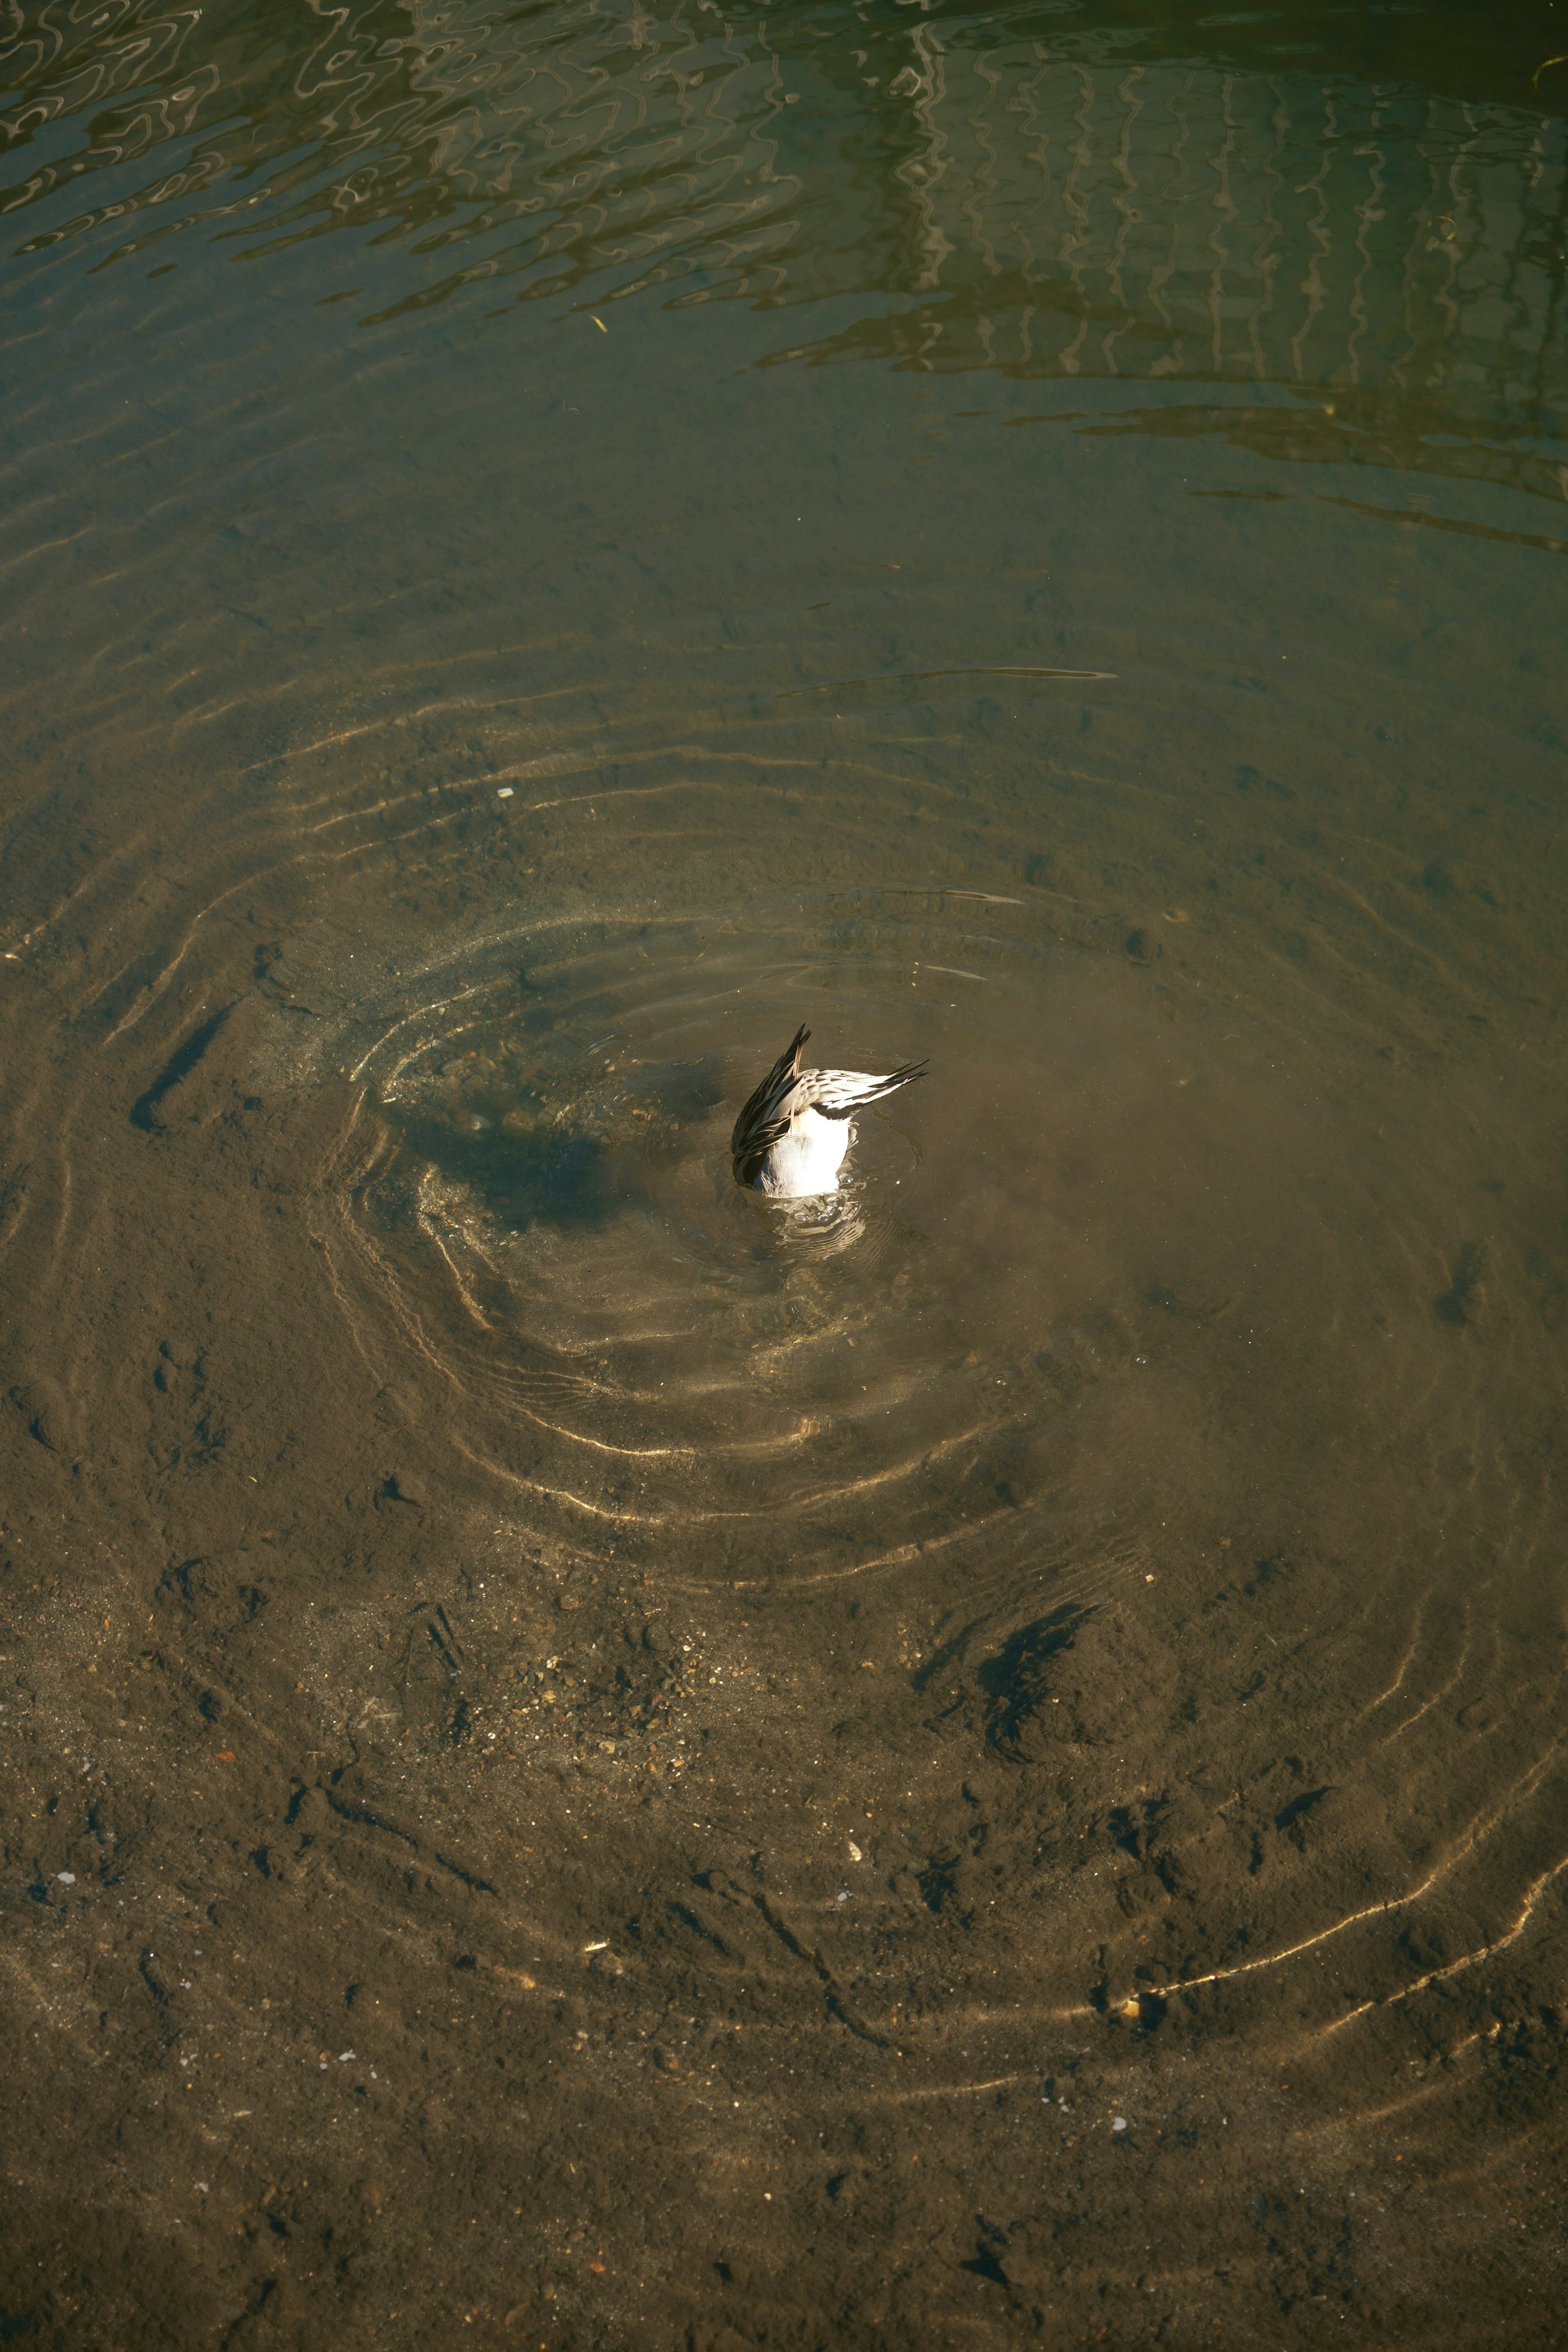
(1096, 1223)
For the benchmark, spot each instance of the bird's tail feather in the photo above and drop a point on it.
(839, 1094)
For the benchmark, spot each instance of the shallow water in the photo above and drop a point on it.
(978, 1760)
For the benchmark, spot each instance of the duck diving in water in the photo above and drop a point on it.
(791, 1137)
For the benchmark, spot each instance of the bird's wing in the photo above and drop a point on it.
(765, 1114)
(837, 1093)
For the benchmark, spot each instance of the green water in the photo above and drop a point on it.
(542, 547)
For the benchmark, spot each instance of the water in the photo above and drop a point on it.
(541, 549)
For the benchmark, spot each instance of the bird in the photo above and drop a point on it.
(795, 1127)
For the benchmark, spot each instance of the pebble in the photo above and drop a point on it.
(1119, 2123)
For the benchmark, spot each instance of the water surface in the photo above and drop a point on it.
(598, 1756)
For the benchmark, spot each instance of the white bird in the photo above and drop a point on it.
(791, 1137)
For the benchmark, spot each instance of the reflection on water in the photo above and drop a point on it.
(1053, 202)
(545, 547)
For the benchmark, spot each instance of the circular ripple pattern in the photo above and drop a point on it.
(1074, 1249)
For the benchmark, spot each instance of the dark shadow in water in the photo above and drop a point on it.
(180, 1065)
(1460, 1303)
(524, 1169)
(985, 2264)
(522, 1180)
(1015, 1681)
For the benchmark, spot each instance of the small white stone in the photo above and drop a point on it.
(1118, 2123)
(67, 1877)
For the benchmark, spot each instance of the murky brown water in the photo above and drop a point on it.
(597, 1762)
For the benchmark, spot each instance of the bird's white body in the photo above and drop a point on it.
(808, 1159)
(791, 1137)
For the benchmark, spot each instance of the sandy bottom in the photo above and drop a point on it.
(597, 1765)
